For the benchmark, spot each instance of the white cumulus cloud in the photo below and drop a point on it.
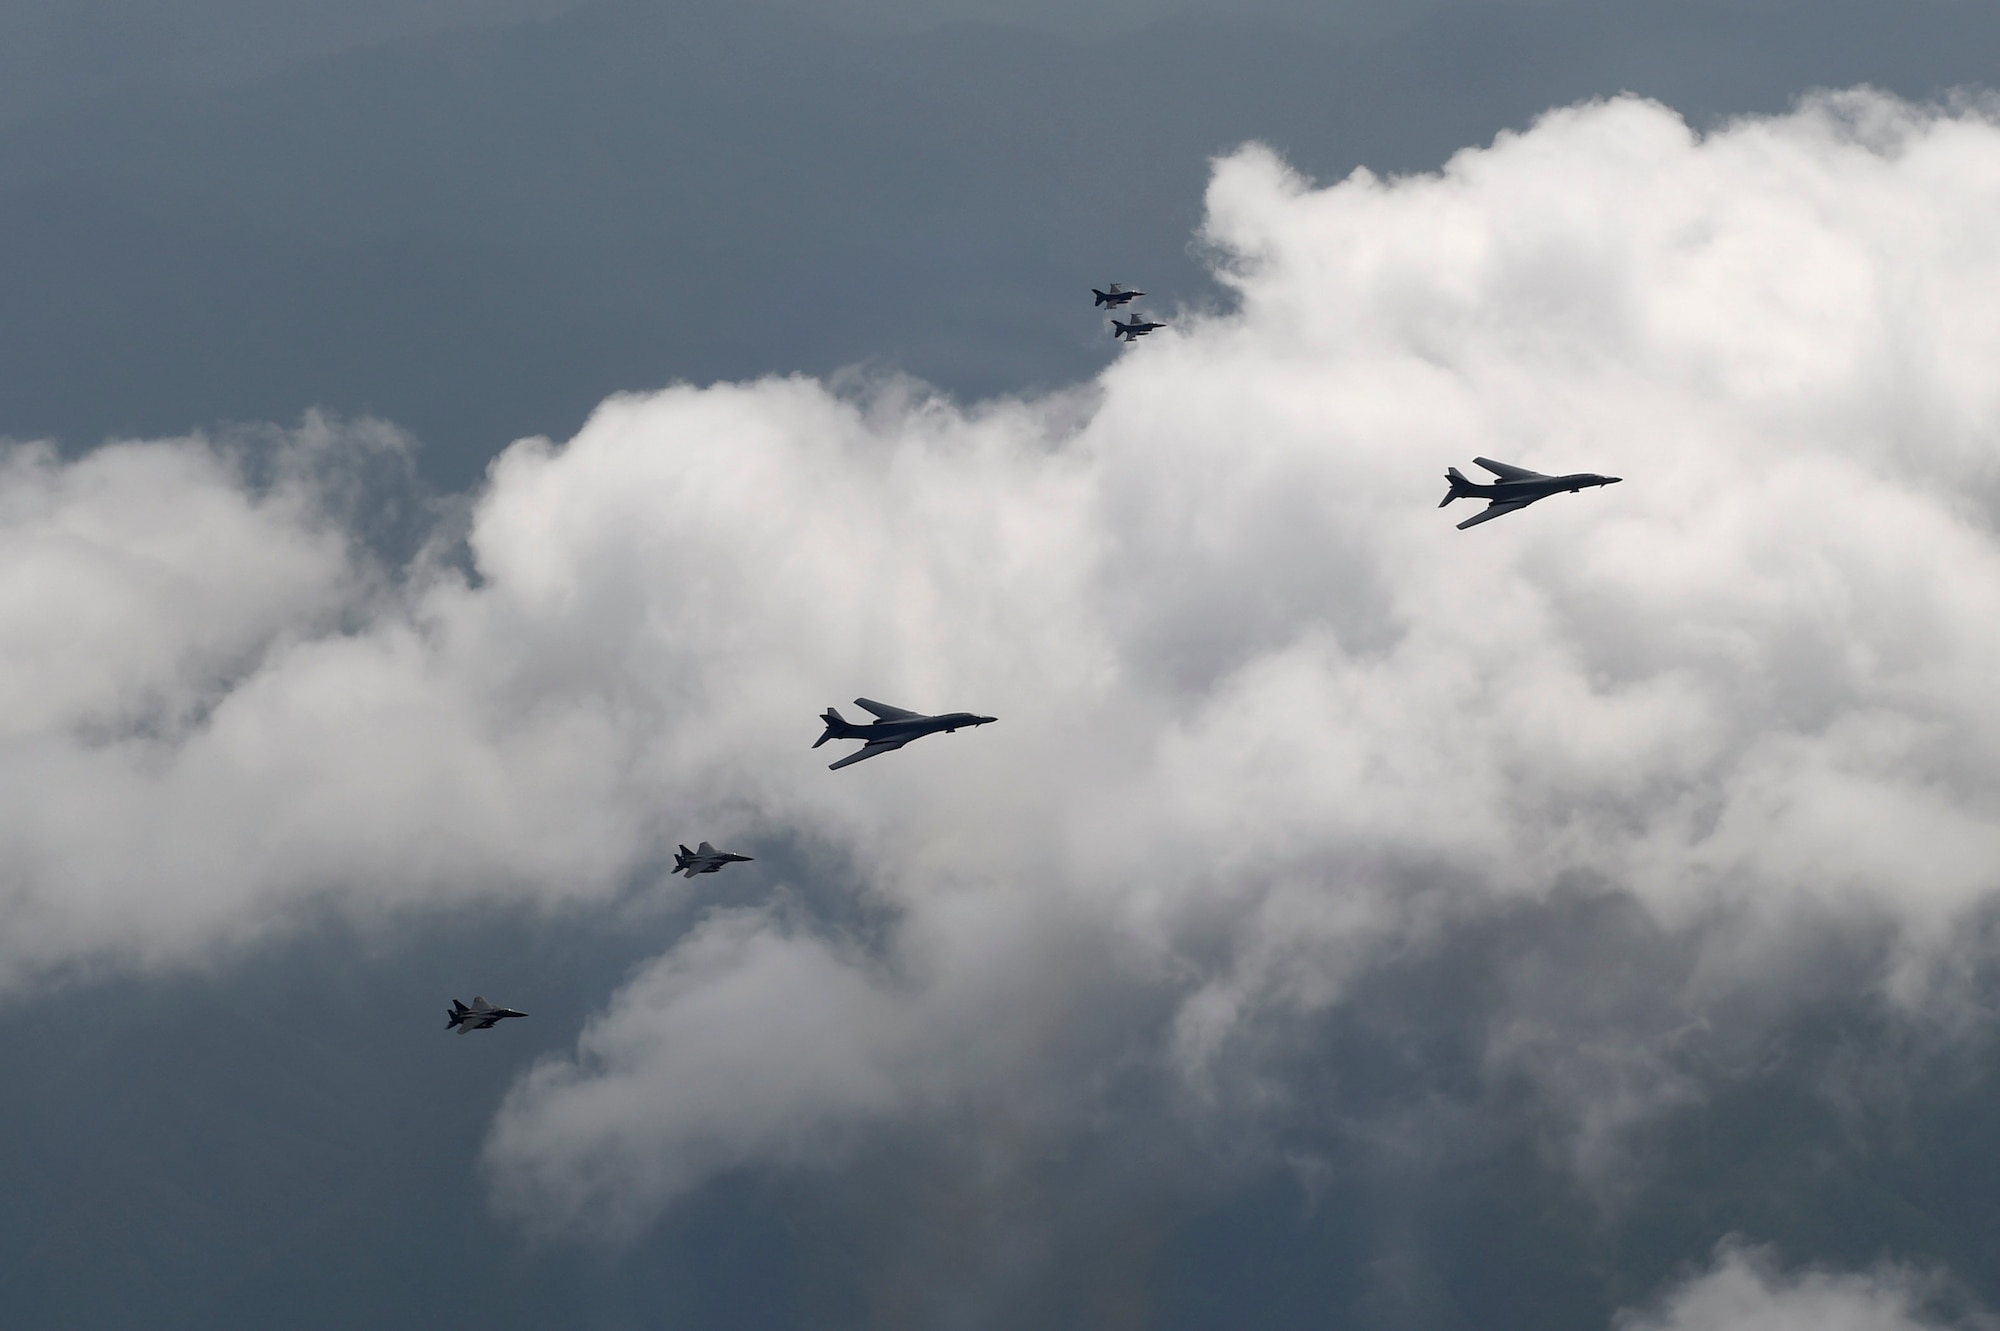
(1745, 1289)
(1267, 719)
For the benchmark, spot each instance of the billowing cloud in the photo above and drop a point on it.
(1747, 1290)
(1268, 723)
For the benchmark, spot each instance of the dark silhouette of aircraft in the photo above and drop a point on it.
(1138, 328)
(1517, 488)
(479, 1017)
(706, 859)
(1116, 296)
(892, 729)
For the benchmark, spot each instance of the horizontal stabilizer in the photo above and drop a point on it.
(1456, 480)
(835, 723)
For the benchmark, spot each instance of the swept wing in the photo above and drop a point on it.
(1494, 510)
(886, 712)
(868, 751)
(1508, 472)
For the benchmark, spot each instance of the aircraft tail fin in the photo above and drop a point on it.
(836, 727)
(1101, 297)
(1459, 486)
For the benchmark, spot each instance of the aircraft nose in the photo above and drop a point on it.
(1613, 480)
(984, 719)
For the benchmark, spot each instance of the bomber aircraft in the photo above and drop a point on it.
(1116, 296)
(1517, 488)
(479, 1017)
(1138, 328)
(892, 729)
(706, 859)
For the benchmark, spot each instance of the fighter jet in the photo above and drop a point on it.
(1138, 328)
(705, 860)
(480, 1016)
(1517, 488)
(1116, 296)
(892, 729)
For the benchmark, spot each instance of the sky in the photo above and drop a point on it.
(453, 463)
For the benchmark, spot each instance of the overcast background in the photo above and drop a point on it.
(229, 1104)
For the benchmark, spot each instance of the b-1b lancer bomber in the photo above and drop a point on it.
(481, 1016)
(1133, 331)
(706, 859)
(892, 729)
(1517, 488)
(1116, 296)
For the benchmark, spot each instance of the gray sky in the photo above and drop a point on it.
(1351, 921)
(479, 235)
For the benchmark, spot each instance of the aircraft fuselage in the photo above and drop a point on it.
(1539, 488)
(878, 732)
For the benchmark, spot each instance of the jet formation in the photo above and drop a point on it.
(1134, 326)
(705, 859)
(481, 1016)
(892, 729)
(1517, 488)
(1513, 488)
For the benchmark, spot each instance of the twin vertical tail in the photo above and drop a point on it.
(454, 1014)
(1460, 487)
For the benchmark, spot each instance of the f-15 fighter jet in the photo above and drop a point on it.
(1115, 297)
(1138, 328)
(480, 1016)
(705, 860)
(1517, 488)
(892, 729)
